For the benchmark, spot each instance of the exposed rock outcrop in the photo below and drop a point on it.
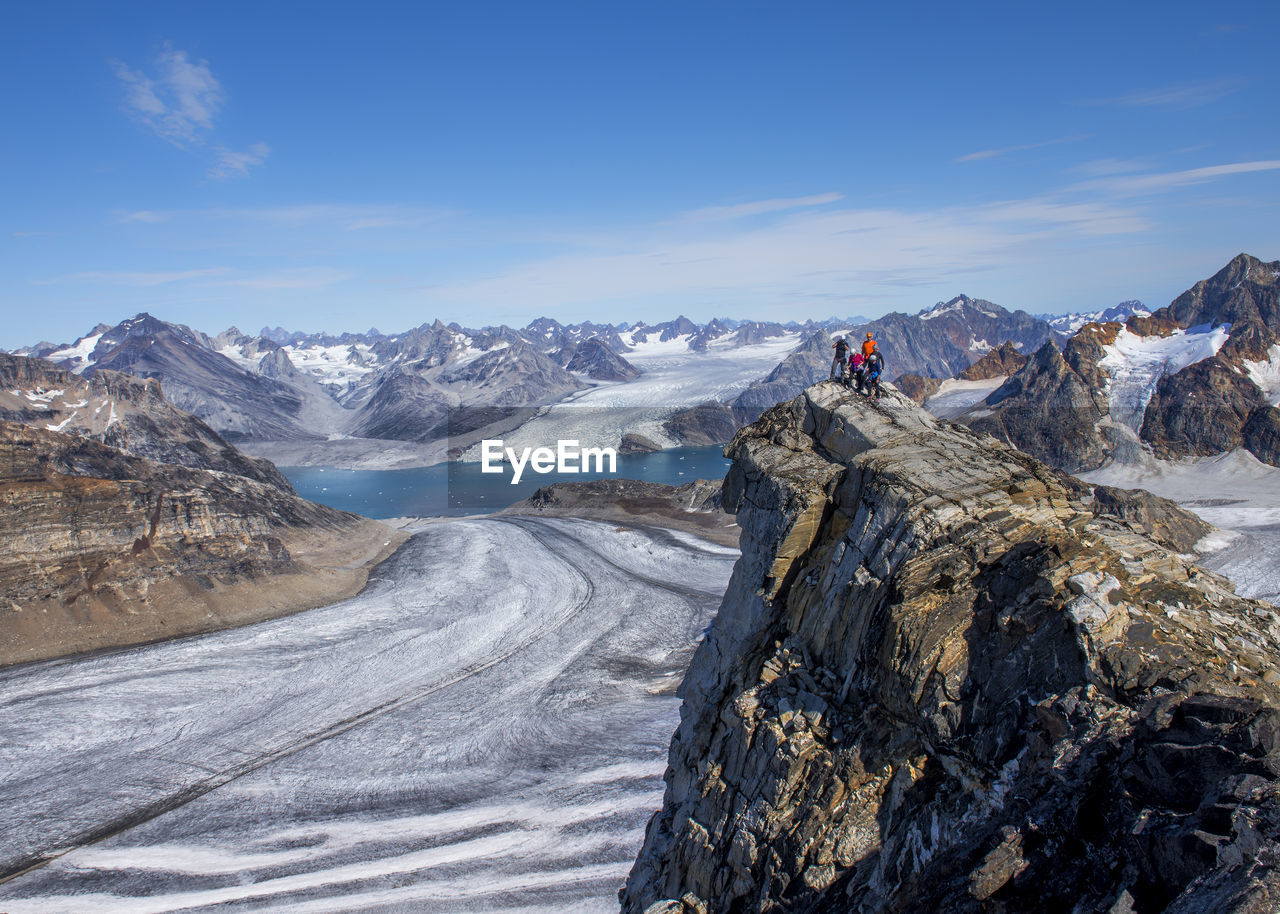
(598, 361)
(917, 387)
(1205, 409)
(1049, 411)
(1158, 518)
(694, 507)
(101, 548)
(124, 412)
(998, 363)
(940, 682)
(635, 443)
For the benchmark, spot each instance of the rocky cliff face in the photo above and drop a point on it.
(1116, 388)
(1049, 410)
(998, 363)
(101, 548)
(123, 412)
(940, 682)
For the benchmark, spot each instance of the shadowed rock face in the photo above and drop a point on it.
(1162, 520)
(598, 361)
(939, 682)
(917, 387)
(1203, 410)
(1049, 411)
(1245, 293)
(997, 363)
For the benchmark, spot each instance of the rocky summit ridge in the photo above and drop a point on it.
(941, 681)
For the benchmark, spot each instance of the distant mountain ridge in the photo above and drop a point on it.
(438, 381)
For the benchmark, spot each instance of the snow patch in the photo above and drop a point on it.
(1267, 375)
(673, 377)
(939, 311)
(63, 424)
(79, 353)
(1137, 363)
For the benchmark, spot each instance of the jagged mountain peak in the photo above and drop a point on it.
(960, 304)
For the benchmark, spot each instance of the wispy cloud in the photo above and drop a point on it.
(1134, 184)
(1187, 95)
(179, 103)
(1005, 150)
(757, 207)
(300, 278)
(237, 164)
(1100, 167)
(848, 251)
(135, 278)
(345, 217)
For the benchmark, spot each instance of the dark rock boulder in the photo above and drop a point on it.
(633, 443)
(1158, 518)
(707, 423)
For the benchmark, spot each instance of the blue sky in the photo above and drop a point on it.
(340, 166)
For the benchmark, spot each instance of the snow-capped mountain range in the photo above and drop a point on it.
(1070, 323)
(446, 383)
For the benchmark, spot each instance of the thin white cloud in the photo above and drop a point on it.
(841, 251)
(755, 208)
(300, 278)
(179, 103)
(1097, 168)
(995, 153)
(237, 164)
(345, 217)
(1188, 95)
(1080, 218)
(1153, 183)
(135, 278)
(147, 215)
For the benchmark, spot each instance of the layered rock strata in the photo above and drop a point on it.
(101, 548)
(939, 681)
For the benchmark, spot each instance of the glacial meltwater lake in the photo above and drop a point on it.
(456, 489)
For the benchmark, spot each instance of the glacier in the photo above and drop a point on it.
(485, 725)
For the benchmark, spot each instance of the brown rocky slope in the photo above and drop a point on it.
(102, 548)
(939, 682)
